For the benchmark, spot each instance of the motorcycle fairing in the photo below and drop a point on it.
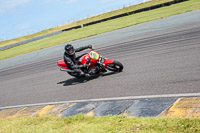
(83, 59)
(108, 61)
(61, 63)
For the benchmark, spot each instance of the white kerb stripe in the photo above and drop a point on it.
(108, 99)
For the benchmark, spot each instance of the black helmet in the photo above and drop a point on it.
(69, 49)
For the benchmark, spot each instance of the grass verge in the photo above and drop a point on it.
(101, 28)
(86, 124)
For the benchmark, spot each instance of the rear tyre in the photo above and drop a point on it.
(116, 66)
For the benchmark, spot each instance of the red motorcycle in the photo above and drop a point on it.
(97, 64)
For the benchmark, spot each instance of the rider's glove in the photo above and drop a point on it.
(90, 46)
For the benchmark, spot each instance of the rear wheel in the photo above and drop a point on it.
(116, 66)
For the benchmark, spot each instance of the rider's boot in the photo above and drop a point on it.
(92, 71)
(80, 72)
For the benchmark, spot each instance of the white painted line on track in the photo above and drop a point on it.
(108, 99)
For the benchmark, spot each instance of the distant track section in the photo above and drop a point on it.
(128, 13)
(94, 22)
(30, 40)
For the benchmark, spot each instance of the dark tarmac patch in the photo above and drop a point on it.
(112, 108)
(79, 108)
(137, 108)
(149, 108)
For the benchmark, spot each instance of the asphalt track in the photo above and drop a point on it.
(165, 61)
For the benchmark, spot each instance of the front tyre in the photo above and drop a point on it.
(116, 66)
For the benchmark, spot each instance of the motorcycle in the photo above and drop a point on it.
(97, 64)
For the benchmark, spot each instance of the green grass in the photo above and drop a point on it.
(106, 124)
(101, 28)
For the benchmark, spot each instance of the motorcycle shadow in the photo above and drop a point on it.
(76, 81)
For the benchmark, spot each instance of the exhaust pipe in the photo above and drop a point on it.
(66, 70)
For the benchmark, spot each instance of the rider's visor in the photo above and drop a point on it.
(71, 51)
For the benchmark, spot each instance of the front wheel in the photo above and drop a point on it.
(116, 66)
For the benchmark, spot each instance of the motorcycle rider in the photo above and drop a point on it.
(72, 61)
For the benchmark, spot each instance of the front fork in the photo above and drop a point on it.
(102, 67)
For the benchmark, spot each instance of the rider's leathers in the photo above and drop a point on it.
(72, 62)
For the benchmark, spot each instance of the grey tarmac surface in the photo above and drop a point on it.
(163, 60)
